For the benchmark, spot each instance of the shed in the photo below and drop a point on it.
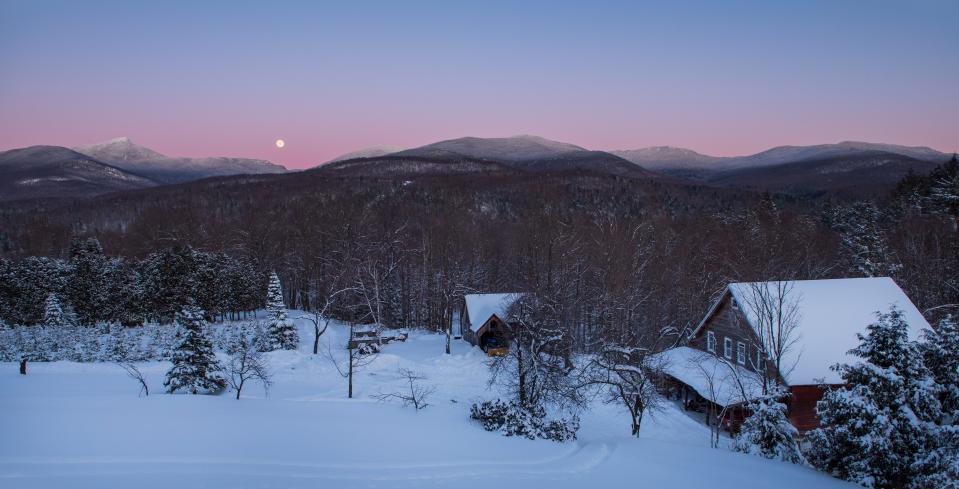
(484, 316)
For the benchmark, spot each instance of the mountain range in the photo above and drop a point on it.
(850, 167)
(119, 164)
(123, 153)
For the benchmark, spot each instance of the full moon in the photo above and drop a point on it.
(280, 143)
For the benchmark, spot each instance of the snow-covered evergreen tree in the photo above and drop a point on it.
(195, 366)
(863, 240)
(280, 330)
(117, 348)
(881, 429)
(767, 431)
(941, 354)
(53, 314)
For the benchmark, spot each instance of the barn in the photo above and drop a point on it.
(483, 318)
(734, 347)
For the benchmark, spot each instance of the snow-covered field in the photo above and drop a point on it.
(82, 425)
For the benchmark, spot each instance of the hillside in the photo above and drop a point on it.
(53, 171)
(83, 425)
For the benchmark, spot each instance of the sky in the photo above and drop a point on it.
(228, 78)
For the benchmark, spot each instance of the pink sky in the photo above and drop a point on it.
(228, 80)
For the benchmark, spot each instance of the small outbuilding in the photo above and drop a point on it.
(483, 319)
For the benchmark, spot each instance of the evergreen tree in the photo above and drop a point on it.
(941, 355)
(195, 366)
(863, 240)
(53, 315)
(767, 431)
(880, 430)
(281, 331)
(87, 288)
(944, 189)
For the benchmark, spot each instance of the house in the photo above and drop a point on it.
(483, 319)
(732, 351)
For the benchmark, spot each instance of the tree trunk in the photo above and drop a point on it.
(23, 366)
(350, 375)
(522, 376)
(316, 338)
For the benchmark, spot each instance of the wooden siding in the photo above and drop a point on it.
(802, 406)
(728, 321)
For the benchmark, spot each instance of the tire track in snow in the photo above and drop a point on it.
(584, 458)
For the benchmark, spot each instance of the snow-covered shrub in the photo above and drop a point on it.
(531, 422)
(492, 414)
(369, 348)
(105, 342)
(767, 431)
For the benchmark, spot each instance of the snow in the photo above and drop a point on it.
(482, 306)
(710, 376)
(82, 425)
(831, 314)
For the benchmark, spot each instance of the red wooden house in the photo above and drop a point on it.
(813, 324)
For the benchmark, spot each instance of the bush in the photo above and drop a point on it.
(512, 419)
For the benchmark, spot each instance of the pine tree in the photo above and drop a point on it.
(53, 315)
(863, 240)
(195, 366)
(879, 430)
(944, 189)
(87, 287)
(281, 331)
(941, 355)
(767, 431)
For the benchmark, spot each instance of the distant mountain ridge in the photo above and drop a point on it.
(470, 155)
(370, 152)
(123, 153)
(670, 158)
(117, 164)
(54, 171)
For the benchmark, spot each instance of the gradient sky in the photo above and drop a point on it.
(228, 78)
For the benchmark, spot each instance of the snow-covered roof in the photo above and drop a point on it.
(829, 315)
(481, 306)
(712, 377)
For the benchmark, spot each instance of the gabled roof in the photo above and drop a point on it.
(829, 315)
(712, 377)
(481, 306)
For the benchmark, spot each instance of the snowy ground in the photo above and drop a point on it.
(82, 425)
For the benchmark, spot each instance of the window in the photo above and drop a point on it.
(711, 341)
(727, 347)
(759, 360)
(741, 353)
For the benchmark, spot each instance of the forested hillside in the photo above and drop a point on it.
(611, 253)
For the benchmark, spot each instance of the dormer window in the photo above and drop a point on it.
(711, 341)
(728, 347)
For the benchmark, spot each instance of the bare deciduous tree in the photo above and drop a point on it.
(416, 395)
(538, 364)
(357, 357)
(247, 362)
(629, 373)
(135, 374)
(773, 307)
